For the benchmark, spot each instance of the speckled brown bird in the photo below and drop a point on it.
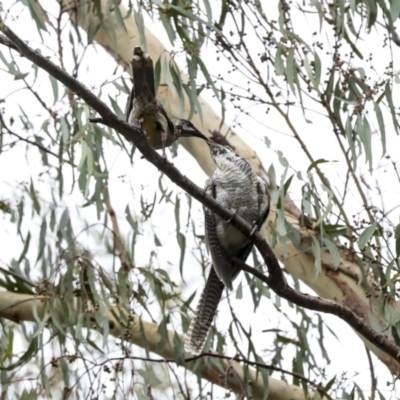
(145, 111)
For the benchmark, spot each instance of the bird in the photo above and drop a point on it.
(146, 112)
(236, 187)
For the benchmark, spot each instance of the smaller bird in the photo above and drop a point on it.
(236, 187)
(145, 111)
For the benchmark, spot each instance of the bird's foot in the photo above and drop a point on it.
(234, 210)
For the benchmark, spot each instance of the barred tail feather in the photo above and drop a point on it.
(204, 315)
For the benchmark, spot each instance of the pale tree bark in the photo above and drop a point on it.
(22, 307)
(342, 284)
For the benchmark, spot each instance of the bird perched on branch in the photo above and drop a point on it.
(144, 111)
(236, 187)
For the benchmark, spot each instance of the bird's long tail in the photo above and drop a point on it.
(204, 315)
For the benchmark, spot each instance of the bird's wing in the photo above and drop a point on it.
(263, 211)
(171, 126)
(221, 262)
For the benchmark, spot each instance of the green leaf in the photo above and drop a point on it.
(349, 135)
(35, 201)
(381, 124)
(239, 291)
(26, 247)
(118, 15)
(352, 45)
(315, 163)
(42, 239)
(116, 108)
(54, 86)
(185, 12)
(287, 185)
(157, 74)
(366, 235)
(284, 162)
(397, 237)
(372, 12)
(309, 72)
(316, 250)
(279, 67)
(365, 135)
(166, 73)
(181, 239)
(36, 13)
(334, 252)
(334, 229)
(20, 75)
(65, 130)
(191, 90)
(318, 70)
(27, 356)
(208, 77)
(168, 27)
(388, 94)
(291, 70)
(85, 150)
(182, 244)
(337, 102)
(329, 385)
(138, 16)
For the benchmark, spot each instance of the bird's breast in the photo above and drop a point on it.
(240, 195)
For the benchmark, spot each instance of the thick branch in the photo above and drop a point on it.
(275, 279)
(8, 43)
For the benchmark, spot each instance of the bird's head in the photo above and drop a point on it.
(222, 156)
(226, 159)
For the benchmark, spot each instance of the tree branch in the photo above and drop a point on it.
(4, 41)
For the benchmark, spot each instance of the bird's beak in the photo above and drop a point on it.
(187, 129)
